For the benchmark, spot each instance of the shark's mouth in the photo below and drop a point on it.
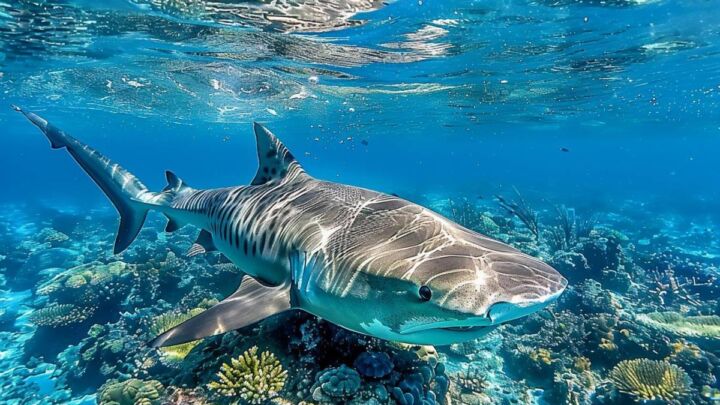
(497, 314)
(468, 325)
(464, 328)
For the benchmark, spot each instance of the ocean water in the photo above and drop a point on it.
(583, 133)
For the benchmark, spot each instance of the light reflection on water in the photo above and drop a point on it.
(472, 62)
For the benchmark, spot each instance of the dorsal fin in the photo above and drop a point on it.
(276, 163)
(175, 183)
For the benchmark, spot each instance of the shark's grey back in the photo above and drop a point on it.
(358, 233)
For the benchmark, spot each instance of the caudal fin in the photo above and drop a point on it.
(128, 194)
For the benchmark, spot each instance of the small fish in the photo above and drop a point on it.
(563, 149)
(364, 142)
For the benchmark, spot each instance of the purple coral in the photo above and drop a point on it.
(373, 364)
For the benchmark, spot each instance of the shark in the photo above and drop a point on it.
(369, 262)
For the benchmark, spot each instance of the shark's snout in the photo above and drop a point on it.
(531, 285)
(506, 286)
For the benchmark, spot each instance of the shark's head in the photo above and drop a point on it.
(455, 298)
(427, 280)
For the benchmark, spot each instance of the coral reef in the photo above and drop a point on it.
(77, 319)
(56, 315)
(649, 380)
(373, 364)
(164, 322)
(253, 378)
(131, 392)
(707, 326)
(336, 384)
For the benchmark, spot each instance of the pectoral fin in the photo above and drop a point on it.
(252, 302)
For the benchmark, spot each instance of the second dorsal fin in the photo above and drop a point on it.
(203, 244)
(275, 162)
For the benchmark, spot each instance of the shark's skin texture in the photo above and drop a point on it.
(367, 261)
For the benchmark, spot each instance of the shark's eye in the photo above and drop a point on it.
(425, 293)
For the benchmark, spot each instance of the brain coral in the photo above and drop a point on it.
(253, 378)
(707, 326)
(651, 380)
(131, 392)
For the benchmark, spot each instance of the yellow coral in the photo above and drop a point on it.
(427, 353)
(75, 281)
(172, 355)
(541, 356)
(581, 364)
(253, 378)
(682, 347)
(607, 344)
(650, 380)
(713, 394)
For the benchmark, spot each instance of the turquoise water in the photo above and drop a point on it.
(602, 116)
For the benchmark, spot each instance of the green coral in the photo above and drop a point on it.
(55, 315)
(253, 378)
(706, 326)
(172, 355)
(89, 274)
(650, 380)
(131, 392)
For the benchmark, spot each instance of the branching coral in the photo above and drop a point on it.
(670, 288)
(253, 378)
(56, 315)
(707, 326)
(172, 355)
(471, 381)
(651, 380)
(131, 392)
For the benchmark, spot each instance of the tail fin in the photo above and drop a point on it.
(129, 195)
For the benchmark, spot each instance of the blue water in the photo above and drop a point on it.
(610, 108)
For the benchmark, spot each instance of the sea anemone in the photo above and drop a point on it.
(253, 378)
(650, 380)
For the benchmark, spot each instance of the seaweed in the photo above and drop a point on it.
(522, 211)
